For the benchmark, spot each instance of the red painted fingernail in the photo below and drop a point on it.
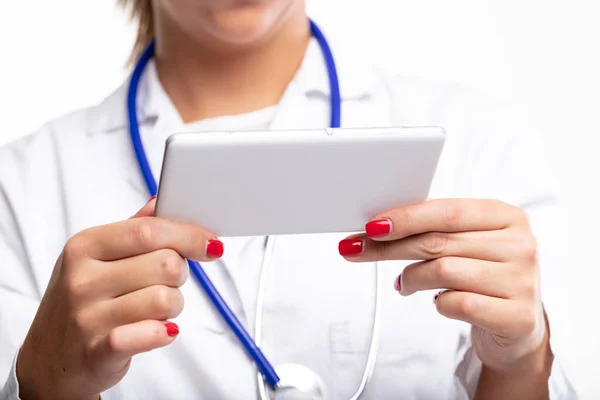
(350, 247)
(172, 329)
(214, 248)
(436, 297)
(378, 228)
(151, 198)
(398, 283)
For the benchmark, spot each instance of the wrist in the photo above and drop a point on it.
(537, 361)
(527, 380)
(526, 377)
(31, 376)
(35, 381)
(534, 366)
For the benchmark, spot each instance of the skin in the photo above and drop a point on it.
(114, 287)
(110, 295)
(226, 57)
(484, 255)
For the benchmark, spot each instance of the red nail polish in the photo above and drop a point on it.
(378, 228)
(172, 329)
(151, 198)
(214, 248)
(350, 247)
(398, 283)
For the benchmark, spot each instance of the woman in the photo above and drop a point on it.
(87, 302)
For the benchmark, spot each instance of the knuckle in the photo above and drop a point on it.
(521, 216)
(452, 214)
(168, 302)
(162, 300)
(529, 320)
(178, 304)
(433, 244)
(146, 232)
(495, 203)
(467, 307)
(171, 266)
(529, 288)
(403, 216)
(85, 321)
(79, 285)
(113, 342)
(80, 320)
(156, 332)
(442, 269)
(196, 235)
(74, 249)
(529, 247)
(501, 206)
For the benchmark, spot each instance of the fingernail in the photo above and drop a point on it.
(398, 283)
(378, 228)
(214, 248)
(151, 198)
(172, 329)
(350, 247)
(437, 295)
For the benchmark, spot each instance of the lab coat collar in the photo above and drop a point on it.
(356, 76)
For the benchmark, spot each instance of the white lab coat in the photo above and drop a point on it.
(79, 171)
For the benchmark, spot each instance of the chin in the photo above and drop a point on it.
(247, 22)
(227, 24)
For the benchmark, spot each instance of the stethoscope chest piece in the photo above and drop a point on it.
(298, 383)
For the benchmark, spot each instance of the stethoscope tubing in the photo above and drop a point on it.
(255, 353)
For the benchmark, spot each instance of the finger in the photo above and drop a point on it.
(154, 302)
(146, 234)
(115, 349)
(463, 274)
(498, 245)
(507, 318)
(162, 267)
(147, 210)
(446, 215)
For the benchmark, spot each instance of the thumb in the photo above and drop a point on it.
(147, 210)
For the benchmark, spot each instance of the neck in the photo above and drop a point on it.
(206, 82)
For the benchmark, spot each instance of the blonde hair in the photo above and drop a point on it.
(140, 12)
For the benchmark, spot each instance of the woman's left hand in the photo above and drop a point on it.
(483, 254)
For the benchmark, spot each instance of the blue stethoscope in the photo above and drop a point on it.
(305, 381)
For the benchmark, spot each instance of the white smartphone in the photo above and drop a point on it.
(295, 182)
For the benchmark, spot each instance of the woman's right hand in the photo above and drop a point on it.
(110, 296)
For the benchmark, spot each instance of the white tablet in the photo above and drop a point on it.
(295, 182)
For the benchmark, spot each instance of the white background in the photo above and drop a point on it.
(59, 55)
